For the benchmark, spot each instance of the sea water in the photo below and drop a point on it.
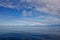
(29, 33)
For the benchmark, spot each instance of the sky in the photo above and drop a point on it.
(29, 12)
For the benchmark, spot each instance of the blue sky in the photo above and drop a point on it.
(29, 12)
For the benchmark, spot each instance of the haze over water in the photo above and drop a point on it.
(31, 29)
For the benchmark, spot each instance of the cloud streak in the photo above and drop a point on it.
(49, 6)
(47, 10)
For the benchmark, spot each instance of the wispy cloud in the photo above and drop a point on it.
(51, 9)
(24, 13)
(50, 6)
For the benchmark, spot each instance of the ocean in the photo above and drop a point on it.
(29, 33)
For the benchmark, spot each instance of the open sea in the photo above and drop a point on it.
(29, 33)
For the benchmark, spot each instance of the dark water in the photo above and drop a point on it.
(28, 36)
(29, 33)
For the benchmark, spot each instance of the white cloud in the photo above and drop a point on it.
(19, 22)
(24, 13)
(51, 6)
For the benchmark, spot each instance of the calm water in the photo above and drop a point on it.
(29, 33)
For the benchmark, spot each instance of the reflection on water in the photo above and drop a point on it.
(46, 29)
(29, 33)
(28, 36)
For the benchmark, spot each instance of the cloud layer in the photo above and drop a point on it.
(47, 10)
(50, 6)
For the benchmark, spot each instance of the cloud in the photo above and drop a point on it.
(12, 21)
(19, 22)
(35, 8)
(31, 21)
(15, 4)
(27, 21)
(24, 13)
(52, 21)
(50, 6)
(49, 20)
